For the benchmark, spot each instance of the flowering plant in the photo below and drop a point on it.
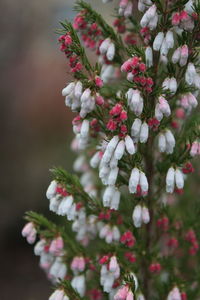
(136, 132)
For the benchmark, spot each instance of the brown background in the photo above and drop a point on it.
(35, 131)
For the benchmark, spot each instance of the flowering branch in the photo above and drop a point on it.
(136, 132)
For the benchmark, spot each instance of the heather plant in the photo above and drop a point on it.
(122, 233)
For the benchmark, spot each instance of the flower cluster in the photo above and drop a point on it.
(136, 132)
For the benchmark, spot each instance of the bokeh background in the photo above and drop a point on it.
(35, 131)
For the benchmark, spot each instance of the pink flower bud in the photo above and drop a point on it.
(99, 100)
(98, 81)
(123, 115)
(127, 66)
(176, 19)
(68, 40)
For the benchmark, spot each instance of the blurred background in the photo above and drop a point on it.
(35, 131)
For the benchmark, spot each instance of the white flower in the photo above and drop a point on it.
(85, 128)
(86, 95)
(170, 141)
(115, 200)
(134, 180)
(111, 52)
(176, 56)
(120, 149)
(184, 55)
(144, 132)
(173, 85)
(135, 101)
(149, 57)
(58, 295)
(170, 180)
(143, 182)
(113, 265)
(192, 100)
(112, 144)
(78, 89)
(136, 127)
(158, 41)
(174, 294)
(51, 191)
(107, 196)
(68, 89)
(39, 247)
(65, 205)
(104, 46)
(149, 16)
(190, 74)
(164, 48)
(95, 160)
(189, 6)
(129, 145)
(179, 179)
(145, 215)
(137, 216)
(58, 269)
(162, 143)
(128, 10)
(54, 203)
(78, 283)
(169, 39)
(112, 177)
(107, 73)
